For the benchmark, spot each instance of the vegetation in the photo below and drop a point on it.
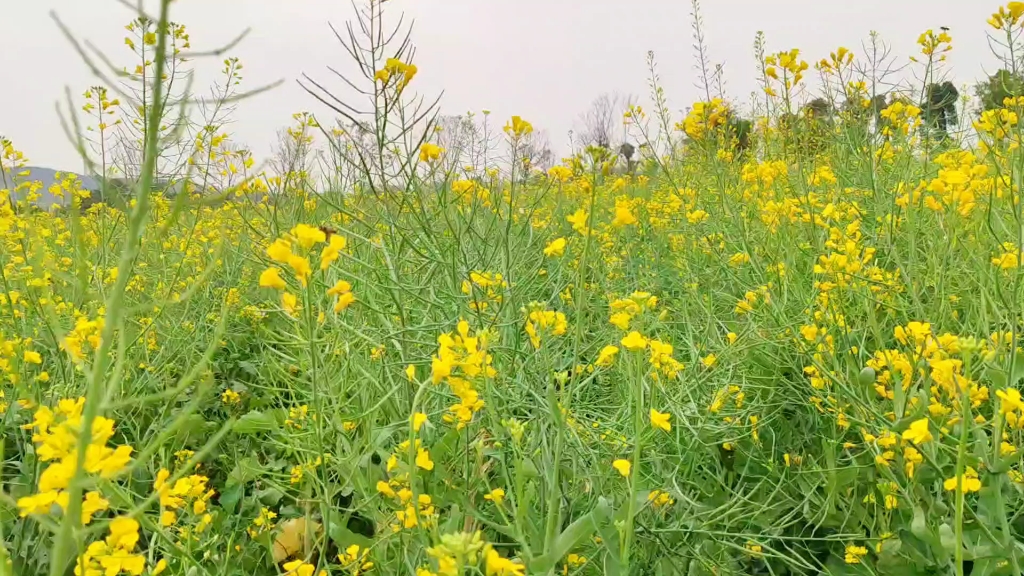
(783, 344)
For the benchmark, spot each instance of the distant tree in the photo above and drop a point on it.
(292, 154)
(739, 130)
(876, 106)
(536, 151)
(939, 108)
(819, 109)
(626, 151)
(176, 126)
(854, 110)
(458, 135)
(598, 123)
(998, 87)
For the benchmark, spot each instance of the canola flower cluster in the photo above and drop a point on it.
(56, 434)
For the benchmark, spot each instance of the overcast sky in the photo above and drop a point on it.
(545, 60)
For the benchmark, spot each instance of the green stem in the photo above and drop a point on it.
(961, 456)
(638, 429)
(64, 545)
(554, 488)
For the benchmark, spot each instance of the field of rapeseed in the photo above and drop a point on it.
(785, 345)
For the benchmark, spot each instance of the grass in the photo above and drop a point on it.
(785, 346)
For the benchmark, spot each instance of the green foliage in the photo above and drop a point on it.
(998, 87)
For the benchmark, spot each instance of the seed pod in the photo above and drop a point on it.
(866, 376)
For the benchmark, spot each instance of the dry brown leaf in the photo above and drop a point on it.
(293, 538)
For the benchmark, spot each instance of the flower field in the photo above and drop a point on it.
(788, 344)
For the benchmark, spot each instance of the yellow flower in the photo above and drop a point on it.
(410, 372)
(606, 356)
(517, 127)
(555, 248)
(93, 503)
(560, 173)
(229, 397)
(42, 503)
(297, 473)
(661, 420)
(395, 68)
(709, 360)
(918, 432)
(634, 342)
(418, 419)
(622, 466)
(121, 560)
(623, 215)
(33, 357)
(423, 459)
(343, 290)
(300, 265)
(498, 566)
(271, 278)
(298, 568)
(969, 480)
(333, 249)
(575, 560)
(620, 320)
(308, 236)
(911, 458)
(289, 303)
(430, 152)
(497, 495)
(855, 553)
(660, 498)
(578, 219)
(1010, 400)
(385, 489)
(731, 337)
(809, 332)
(280, 250)
(124, 532)
(168, 518)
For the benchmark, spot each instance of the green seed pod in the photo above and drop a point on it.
(866, 376)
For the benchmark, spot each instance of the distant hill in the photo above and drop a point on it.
(48, 176)
(119, 189)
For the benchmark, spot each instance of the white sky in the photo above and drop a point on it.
(545, 60)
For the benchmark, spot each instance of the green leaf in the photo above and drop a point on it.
(269, 496)
(918, 526)
(8, 513)
(246, 470)
(343, 537)
(1000, 378)
(194, 428)
(454, 521)
(571, 537)
(249, 368)
(947, 538)
(609, 537)
(5, 561)
(991, 567)
(255, 422)
(230, 496)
